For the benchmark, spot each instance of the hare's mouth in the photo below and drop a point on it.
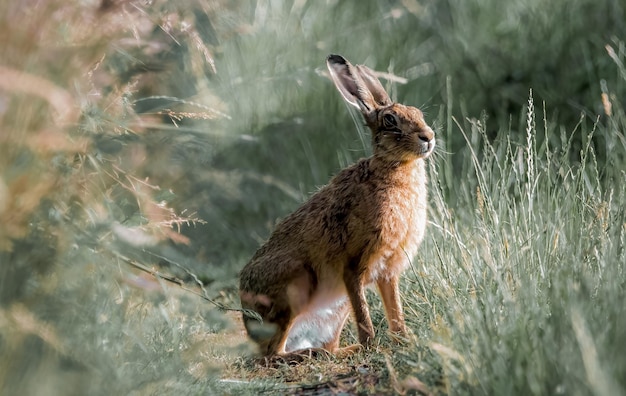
(426, 148)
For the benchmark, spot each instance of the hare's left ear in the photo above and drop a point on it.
(373, 84)
(357, 85)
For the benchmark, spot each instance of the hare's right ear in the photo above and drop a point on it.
(357, 85)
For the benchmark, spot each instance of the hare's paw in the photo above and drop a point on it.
(399, 337)
(348, 351)
(294, 358)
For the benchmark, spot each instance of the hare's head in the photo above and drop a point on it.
(399, 132)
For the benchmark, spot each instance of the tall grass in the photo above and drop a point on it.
(523, 279)
(78, 203)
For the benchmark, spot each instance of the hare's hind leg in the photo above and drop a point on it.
(340, 318)
(333, 345)
(319, 326)
(278, 310)
(271, 334)
(316, 334)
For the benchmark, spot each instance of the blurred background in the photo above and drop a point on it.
(173, 135)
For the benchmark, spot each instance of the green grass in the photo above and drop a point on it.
(524, 276)
(173, 136)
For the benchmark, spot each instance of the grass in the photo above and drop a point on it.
(525, 272)
(171, 137)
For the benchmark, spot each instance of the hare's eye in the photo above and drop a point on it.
(390, 121)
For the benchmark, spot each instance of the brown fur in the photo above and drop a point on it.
(361, 228)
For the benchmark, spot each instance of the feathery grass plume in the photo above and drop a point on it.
(508, 300)
(76, 194)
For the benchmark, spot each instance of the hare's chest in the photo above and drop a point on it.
(402, 227)
(416, 220)
(404, 217)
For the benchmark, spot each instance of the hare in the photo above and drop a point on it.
(360, 229)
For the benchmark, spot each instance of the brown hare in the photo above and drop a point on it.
(360, 229)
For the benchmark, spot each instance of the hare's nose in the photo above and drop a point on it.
(426, 134)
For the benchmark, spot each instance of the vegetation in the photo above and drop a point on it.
(144, 144)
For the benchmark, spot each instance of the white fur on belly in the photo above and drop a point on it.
(316, 326)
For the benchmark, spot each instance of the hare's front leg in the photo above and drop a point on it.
(355, 287)
(390, 294)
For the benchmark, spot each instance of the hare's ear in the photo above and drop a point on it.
(373, 84)
(350, 84)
